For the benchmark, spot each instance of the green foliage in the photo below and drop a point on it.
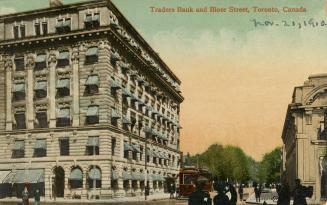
(230, 162)
(270, 166)
(225, 162)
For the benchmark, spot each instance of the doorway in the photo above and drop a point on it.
(58, 185)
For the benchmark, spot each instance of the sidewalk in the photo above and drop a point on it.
(125, 200)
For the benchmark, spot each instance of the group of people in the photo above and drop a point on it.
(202, 197)
(26, 195)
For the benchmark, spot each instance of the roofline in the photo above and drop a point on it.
(93, 3)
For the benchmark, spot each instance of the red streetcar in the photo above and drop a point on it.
(187, 178)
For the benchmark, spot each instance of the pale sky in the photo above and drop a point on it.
(237, 80)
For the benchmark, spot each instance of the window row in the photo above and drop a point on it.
(63, 59)
(63, 25)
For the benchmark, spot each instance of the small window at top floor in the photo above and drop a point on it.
(19, 31)
(92, 21)
(19, 63)
(63, 25)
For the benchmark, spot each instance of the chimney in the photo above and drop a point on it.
(55, 3)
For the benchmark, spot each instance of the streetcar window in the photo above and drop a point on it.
(188, 179)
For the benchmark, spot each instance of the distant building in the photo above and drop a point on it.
(305, 136)
(80, 92)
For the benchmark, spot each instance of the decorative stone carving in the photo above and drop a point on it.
(8, 63)
(52, 58)
(75, 55)
(30, 61)
(104, 44)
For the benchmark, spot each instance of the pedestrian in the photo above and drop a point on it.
(284, 195)
(221, 198)
(25, 196)
(299, 193)
(232, 190)
(172, 190)
(199, 196)
(240, 192)
(257, 192)
(37, 197)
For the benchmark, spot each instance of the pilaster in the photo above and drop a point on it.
(29, 94)
(52, 88)
(75, 64)
(8, 67)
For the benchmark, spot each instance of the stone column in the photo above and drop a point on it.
(29, 94)
(75, 63)
(52, 88)
(9, 67)
(84, 190)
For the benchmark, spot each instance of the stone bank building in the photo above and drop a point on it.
(87, 108)
(305, 137)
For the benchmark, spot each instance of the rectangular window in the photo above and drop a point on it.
(42, 119)
(18, 150)
(19, 63)
(44, 28)
(64, 147)
(40, 148)
(92, 146)
(63, 117)
(16, 32)
(22, 31)
(113, 146)
(20, 120)
(63, 87)
(37, 29)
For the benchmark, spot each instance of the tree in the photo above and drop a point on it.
(270, 166)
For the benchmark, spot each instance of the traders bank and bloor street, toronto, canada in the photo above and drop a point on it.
(88, 109)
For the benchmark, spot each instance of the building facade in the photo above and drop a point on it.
(304, 136)
(88, 109)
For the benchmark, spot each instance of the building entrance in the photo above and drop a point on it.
(58, 185)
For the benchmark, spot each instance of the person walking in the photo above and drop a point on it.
(299, 194)
(37, 196)
(233, 199)
(25, 196)
(199, 196)
(284, 195)
(257, 192)
(221, 198)
(172, 190)
(240, 192)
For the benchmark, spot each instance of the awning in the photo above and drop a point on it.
(147, 129)
(136, 148)
(3, 175)
(114, 113)
(142, 176)
(93, 51)
(40, 144)
(135, 176)
(66, 23)
(41, 85)
(115, 56)
(149, 152)
(59, 24)
(126, 120)
(63, 83)
(156, 154)
(64, 113)
(64, 55)
(92, 111)
(127, 175)
(19, 145)
(128, 147)
(93, 142)
(40, 58)
(115, 85)
(96, 17)
(114, 175)
(154, 133)
(23, 176)
(88, 18)
(95, 174)
(20, 87)
(76, 174)
(126, 92)
(134, 98)
(92, 80)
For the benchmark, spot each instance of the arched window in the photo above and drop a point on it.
(94, 177)
(76, 178)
